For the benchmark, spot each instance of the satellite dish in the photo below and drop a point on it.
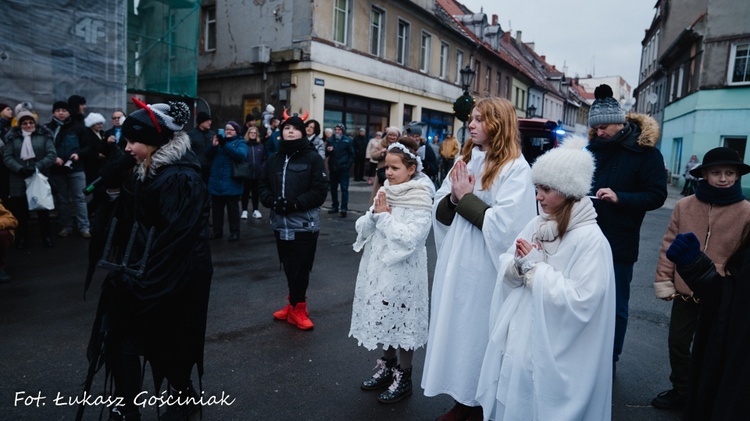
(651, 98)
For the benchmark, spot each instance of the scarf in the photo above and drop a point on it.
(583, 214)
(719, 196)
(288, 147)
(27, 151)
(411, 194)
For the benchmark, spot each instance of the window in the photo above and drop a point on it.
(507, 88)
(376, 31)
(477, 76)
(488, 81)
(736, 143)
(209, 29)
(459, 65)
(340, 21)
(425, 52)
(443, 60)
(402, 43)
(497, 84)
(739, 64)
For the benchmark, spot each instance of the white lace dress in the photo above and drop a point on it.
(391, 304)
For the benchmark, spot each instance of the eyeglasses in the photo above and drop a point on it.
(230, 130)
(28, 123)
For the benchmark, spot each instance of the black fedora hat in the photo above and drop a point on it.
(721, 156)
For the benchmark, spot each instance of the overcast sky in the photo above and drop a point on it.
(598, 37)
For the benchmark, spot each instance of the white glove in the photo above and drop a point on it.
(526, 263)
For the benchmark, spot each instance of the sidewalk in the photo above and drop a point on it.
(673, 195)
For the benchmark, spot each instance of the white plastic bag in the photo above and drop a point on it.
(39, 192)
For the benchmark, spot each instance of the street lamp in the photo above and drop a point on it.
(531, 111)
(465, 103)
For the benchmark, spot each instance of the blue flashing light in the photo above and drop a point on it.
(560, 132)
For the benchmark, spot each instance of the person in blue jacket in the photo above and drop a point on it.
(226, 190)
(340, 153)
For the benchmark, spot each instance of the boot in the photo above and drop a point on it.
(298, 316)
(283, 314)
(400, 388)
(382, 377)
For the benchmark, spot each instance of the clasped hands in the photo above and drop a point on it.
(527, 255)
(462, 182)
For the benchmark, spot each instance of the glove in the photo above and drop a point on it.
(526, 263)
(685, 249)
(281, 206)
(26, 171)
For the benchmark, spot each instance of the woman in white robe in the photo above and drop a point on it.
(553, 309)
(483, 203)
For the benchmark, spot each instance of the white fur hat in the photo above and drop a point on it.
(567, 169)
(93, 118)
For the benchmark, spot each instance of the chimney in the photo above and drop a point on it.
(553, 67)
(544, 58)
(494, 20)
(518, 36)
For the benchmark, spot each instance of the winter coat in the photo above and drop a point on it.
(372, 147)
(221, 182)
(66, 144)
(633, 168)
(726, 225)
(449, 149)
(200, 143)
(256, 156)
(719, 366)
(7, 220)
(164, 307)
(360, 146)
(300, 177)
(93, 152)
(341, 157)
(317, 141)
(44, 149)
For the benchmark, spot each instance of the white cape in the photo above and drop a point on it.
(550, 351)
(465, 275)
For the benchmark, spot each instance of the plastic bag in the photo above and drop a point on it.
(39, 192)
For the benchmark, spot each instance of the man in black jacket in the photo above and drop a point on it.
(629, 180)
(201, 137)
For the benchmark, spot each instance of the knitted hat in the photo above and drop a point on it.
(567, 169)
(25, 114)
(605, 109)
(23, 106)
(58, 105)
(250, 117)
(201, 118)
(3, 106)
(234, 125)
(74, 101)
(415, 128)
(721, 156)
(295, 121)
(155, 124)
(93, 118)
(393, 129)
(341, 126)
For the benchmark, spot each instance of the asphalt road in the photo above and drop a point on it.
(268, 369)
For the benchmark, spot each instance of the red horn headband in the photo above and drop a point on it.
(303, 116)
(151, 114)
(285, 115)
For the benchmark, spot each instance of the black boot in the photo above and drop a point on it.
(382, 377)
(400, 388)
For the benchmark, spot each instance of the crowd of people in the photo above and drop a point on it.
(528, 309)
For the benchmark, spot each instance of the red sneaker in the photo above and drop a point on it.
(283, 314)
(298, 316)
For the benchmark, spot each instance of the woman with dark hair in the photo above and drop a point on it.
(28, 147)
(312, 130)
(227, 148)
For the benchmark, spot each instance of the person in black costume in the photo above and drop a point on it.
(719, 363)
(154, 298)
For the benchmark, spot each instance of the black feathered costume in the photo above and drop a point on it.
(154, 299)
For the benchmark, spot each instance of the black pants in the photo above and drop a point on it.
(297, 257)
(232, 203)
(250, 189)
(359, 168)
(681, 330)
(19, 207)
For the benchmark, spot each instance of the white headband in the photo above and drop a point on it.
(408, 152)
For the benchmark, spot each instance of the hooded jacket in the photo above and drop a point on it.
(44, 149)
(630, 165)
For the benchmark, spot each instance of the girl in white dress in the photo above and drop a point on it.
(390, 300)
(553, 309)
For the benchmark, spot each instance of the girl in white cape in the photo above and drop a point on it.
(390, 299)
(484, 202)
(553, 309)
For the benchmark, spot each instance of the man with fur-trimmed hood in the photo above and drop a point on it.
(629, 180)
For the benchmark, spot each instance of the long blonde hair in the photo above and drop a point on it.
(504, 139)
(257, 132)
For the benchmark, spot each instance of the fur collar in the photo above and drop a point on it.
(168, 154)
(650, 132)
